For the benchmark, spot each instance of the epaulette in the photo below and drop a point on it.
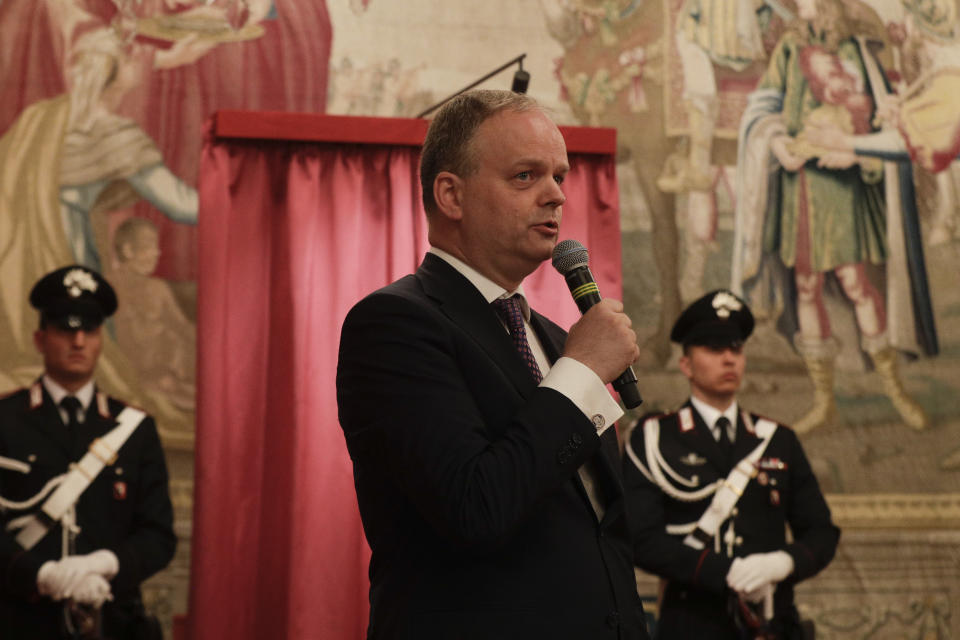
(751, 418)
(103, 405)
(7, 394)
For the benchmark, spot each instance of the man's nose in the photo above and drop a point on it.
(79, 338)
(554, 195)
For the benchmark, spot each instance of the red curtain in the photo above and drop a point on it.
(292, 234)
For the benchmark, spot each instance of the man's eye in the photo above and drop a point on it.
(559, 179)
(523, 175)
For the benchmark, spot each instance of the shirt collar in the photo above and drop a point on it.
(489, 289)
(711, 414)
(84, 394)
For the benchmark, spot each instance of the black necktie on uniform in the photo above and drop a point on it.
(512, 315)
(72, 406)
(726, 446)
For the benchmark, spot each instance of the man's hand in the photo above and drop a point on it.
(603, 340)
(787, 160)
(61, 579)
(92, 590)
(748, 574)
(837, 160)
(828, 136)
(48, 581)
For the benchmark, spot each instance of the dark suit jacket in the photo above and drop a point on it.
(466, 477)
(126, 509)
(784, 493)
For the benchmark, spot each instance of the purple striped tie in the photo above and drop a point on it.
(511, 314)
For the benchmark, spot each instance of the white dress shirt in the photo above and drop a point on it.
(570, 377)
(711, 414)
(84, 394)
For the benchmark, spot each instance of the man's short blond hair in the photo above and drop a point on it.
(449, 142)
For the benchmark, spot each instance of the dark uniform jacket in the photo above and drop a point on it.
(126, 509)
(466, 476)
(783, 493)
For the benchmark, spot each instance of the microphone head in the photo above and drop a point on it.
(521, 80)
(569, 255)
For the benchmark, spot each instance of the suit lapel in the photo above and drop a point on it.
(460, 301)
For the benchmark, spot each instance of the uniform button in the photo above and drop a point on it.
(598, 421)
(613, 619)
(734, 512)
(739, 540)
(32, 457)
(576, 440)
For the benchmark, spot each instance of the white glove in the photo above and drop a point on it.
(67, 573)
(92, 590)
(758, 594)
(48, 582)
(752, 572)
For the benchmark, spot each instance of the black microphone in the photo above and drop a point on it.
(571, 259)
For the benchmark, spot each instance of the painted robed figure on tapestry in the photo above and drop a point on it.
(826, 214)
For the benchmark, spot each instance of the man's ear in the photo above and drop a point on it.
(448, 194)
(38, 335)
(684, 364)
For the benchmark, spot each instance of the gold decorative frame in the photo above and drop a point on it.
(896, 510)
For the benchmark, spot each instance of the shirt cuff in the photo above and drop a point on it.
(586, 390)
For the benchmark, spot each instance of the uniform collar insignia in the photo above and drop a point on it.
(102, 405)
(36, 395)
(693, 460)
(686, 419)
(748, 423)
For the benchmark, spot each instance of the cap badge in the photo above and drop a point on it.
(725, 302)
(77, 281)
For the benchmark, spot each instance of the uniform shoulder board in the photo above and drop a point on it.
(650, 415)
(10, 394)
(756, 417)
(105, 401)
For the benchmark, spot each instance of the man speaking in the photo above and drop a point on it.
(485, 458)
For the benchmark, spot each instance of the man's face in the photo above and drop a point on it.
(69, 357)
(511, 202)
(715, 373)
